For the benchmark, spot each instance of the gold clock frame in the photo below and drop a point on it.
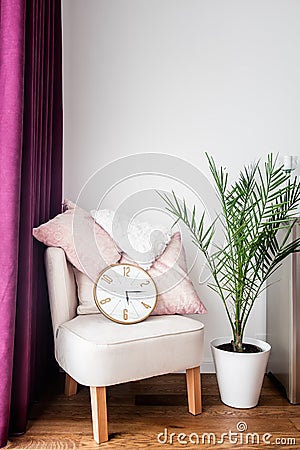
(107, 315)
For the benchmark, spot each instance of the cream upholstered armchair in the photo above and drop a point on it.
(93, 350)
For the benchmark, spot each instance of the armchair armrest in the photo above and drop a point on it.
(61, 287)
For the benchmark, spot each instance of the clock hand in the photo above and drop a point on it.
(135, 292)
(132, 292)
(134, 298)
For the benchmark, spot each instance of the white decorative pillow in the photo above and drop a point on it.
(141, 242)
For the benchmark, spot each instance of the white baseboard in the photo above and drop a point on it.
(208, 367)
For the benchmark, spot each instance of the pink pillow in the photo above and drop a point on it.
(176, 293)
(87, 246)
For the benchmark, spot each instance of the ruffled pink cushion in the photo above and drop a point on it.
(87, 246)
(176, 293)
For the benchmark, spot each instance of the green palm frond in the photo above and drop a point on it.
(260, 204)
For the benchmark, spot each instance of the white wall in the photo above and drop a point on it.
(180, 77)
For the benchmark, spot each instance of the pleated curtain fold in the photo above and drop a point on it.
(30, 194)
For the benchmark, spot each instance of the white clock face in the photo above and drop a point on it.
(125, 293)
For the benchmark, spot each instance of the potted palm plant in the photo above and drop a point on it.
(257, 215)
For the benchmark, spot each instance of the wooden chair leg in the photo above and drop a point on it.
(70, 386)
(193, 382)
(99, 414)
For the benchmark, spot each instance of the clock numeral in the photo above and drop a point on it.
(145, 283)
(107, 279)
(105, 300)
(145, 305)
(125, 314)
(126, 271)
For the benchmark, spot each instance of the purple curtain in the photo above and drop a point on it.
(30, 193)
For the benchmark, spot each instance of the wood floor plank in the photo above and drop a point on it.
(138, 412)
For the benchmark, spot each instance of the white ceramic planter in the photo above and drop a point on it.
(240, 375)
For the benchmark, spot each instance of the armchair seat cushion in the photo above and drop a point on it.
(98, 352)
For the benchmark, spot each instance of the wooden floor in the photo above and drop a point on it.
(139, 411)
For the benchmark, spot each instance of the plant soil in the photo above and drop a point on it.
(247, 348)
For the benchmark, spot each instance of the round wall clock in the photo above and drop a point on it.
(125, 293)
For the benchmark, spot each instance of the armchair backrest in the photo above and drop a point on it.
(61, 287)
